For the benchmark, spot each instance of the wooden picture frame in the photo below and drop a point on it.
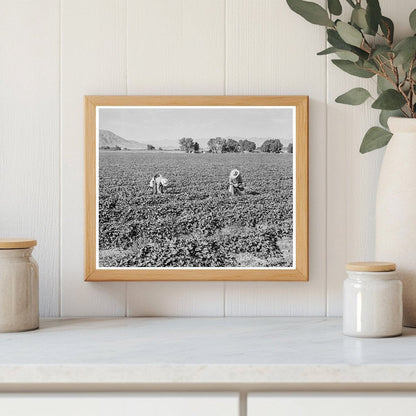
(96, 105)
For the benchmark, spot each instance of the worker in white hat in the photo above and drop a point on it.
(158, 183)
(236, 186)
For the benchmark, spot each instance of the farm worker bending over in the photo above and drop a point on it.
(158, 183)
(236, 183)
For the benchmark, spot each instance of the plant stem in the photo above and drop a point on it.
(411, 81)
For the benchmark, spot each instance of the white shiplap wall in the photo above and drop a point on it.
(56, 51)
(29, 138)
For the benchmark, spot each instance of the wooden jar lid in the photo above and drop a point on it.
(371, 266)
(11, 243)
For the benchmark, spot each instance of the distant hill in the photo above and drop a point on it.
(108, 138)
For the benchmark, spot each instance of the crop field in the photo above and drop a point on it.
(196, 223)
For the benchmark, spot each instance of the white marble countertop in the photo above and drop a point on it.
(191, 352)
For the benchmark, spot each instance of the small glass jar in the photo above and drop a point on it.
(372, 300)
(19, 286)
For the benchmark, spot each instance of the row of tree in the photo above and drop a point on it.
(151, 147)
(221, 145)
(188, 145)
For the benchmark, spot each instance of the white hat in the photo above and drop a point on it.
(235, 173)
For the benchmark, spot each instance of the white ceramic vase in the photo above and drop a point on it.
(396, 210)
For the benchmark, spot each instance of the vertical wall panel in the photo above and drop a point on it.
(175, 47)
(93, 59)
(29, 141)
(352, 177)
(270, 50)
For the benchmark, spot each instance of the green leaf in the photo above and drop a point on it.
(349, 34)
(389, 100)
(356, 96)
(373, 15)
(412, 20)
(347, 55)
(351, 3)
(328, 51)
(386, 114)
(405, 50)
(381, 50)
(383, 84)
(311, 12)
(358, 18)
(375, 138)
(334, 7)
(335, 40)
(370, 64)
(387, 27)
(352, 68)
(350, 56)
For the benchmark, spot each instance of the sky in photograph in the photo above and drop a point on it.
(164, 127)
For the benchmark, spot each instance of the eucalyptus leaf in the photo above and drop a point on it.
(349, 34)
(335, 40)
(311, 12)
(412, 20)
(387, 27)
(381, 50)
(370, 64)
(327, 51)
(352, 68)
(383, 84)
(351, 3)
(334, 7)
(358, 18)
(350, 56)
(375, 138)
(347, 55)
(389, 100)
(356, 96)
(405, 50)
(386, 114)
(392, 76)
(405, 43)
(373, 15)
(360, 52)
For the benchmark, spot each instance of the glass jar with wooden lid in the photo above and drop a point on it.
(19, 286)
(372, 300)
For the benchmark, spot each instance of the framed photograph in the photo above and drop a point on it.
(196, 188)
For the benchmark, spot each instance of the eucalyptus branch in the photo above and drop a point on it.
(411, 82)
(385, 75)
(395, 71)
(366, 42)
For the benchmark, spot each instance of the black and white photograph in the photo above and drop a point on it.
(196, 187)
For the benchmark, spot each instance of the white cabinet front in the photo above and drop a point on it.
(331, 404)
(119, 404)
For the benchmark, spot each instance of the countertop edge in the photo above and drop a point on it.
(207, 374)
